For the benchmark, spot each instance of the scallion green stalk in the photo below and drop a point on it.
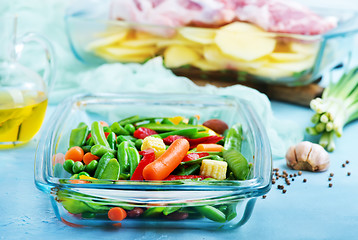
(337, 107)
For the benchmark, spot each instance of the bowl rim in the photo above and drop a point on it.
(257, 186)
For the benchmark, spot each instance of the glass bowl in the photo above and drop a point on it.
(100, 195)
(229, 53)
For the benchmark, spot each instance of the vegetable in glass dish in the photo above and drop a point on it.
(178, 157)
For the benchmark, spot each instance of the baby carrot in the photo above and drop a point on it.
(88, 157)
(209, 147)
(75, 153)
(167, 162)
(117, 214)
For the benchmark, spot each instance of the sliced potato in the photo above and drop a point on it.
(107, 40)
(121, 58)
(304, 48)
(243, 27)
(296, 66)
(176, 56)
(124, 51)
(271, 72)
(141, 42)
(199, 35)
(244, 46)
(284, 57)
(207, 66)
(214, 55)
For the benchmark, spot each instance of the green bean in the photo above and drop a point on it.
(130, 128)
(107, 129)
(97, 134)
(112, 140)
(118, 129)
(211, 213)
(237, 163)
(77, 167)
(188, 132)
(78, 135)
(199, 160)
(189, 170)
(89, 141)
(168, 127)
(67, 165)
(200, 135)
(100, 150)
(88, 215)
(129, 138)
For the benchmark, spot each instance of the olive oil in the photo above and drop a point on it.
(21, 115)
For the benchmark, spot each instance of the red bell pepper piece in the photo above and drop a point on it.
(170, 139)
(105, 134)
(193, 156)
(148, 157)
(143, 132)
(210, 139)
(180, 177)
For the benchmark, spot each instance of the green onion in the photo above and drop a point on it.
(337, 107)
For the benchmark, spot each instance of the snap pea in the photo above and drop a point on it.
(102, 163)
(110, 170)
(193, 120)
(100, 150)
(133, 159)
(211, 213)
(166, 121)
(168, 127)
(112, 140)
(118, 129)
(83, 174)
(169, 210)
(233, 139)
(97, 134)
(231, 212)
(189, 170)
(122, 157)
(237, 163)
(78, 135)
(67, 165)
(153, 211)
(188, 132)
(130, 128)
(77, 167)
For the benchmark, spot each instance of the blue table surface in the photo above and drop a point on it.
(308, 210)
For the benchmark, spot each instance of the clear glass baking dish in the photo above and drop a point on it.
(227, 53)
(100, 195)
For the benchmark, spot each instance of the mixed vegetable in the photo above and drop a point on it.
(146, 149)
